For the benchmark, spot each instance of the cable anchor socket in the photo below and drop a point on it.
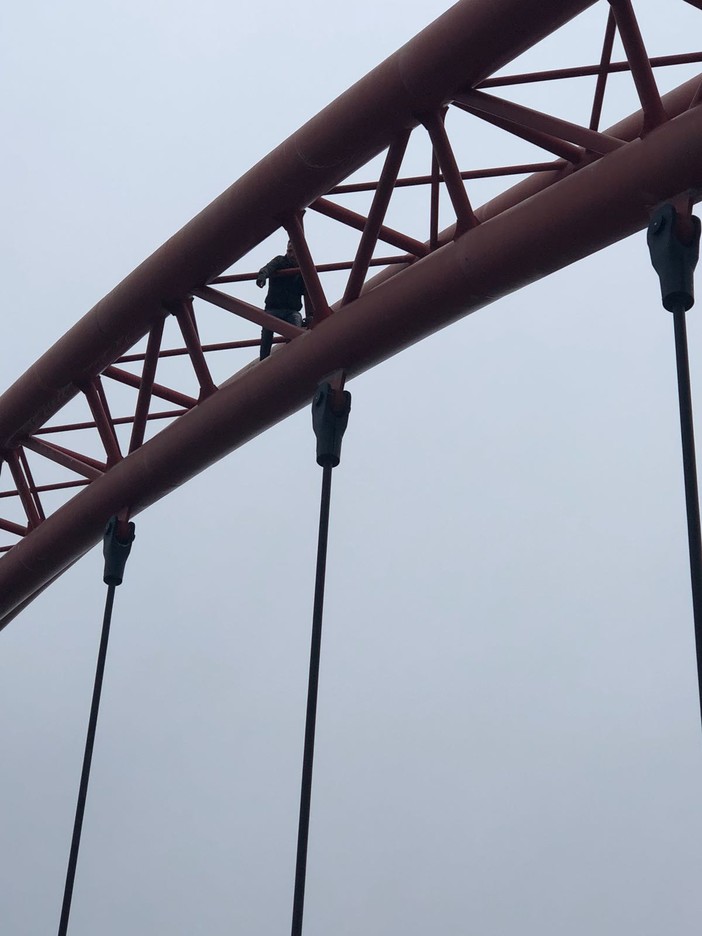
(116, 546)
(330, 416)
(674, 257)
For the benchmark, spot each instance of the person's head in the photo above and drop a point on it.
(290, 251)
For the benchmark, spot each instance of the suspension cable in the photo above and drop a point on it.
(330, 413)
(117, 543)
(674, 244)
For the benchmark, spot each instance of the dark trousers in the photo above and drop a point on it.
(285, 315)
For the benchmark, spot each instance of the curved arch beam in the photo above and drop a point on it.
(469, 42)
(585, 212)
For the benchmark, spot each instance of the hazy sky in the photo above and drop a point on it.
(508, 736)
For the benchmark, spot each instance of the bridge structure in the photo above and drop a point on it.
(96, 428)
(592, 187)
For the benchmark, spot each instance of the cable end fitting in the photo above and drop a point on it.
(674, 258)
(330, 416)
(116, 546)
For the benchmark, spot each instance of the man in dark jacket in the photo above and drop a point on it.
(284, 299)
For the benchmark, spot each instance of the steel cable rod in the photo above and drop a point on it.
(116, 546)
(311, 715)
(692, 503)
(674, 242)
(330, 414)
(87, 760)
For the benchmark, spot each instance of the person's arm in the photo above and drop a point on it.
(268, 270)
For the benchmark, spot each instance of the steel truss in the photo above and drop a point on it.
(601, 187)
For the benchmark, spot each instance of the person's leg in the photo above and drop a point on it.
(266, 342)
(285, 315)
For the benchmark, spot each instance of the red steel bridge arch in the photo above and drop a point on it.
(596, 188)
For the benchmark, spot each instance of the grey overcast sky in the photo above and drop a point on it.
(508, 738)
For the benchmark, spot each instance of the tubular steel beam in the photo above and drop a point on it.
(434, 201)
(585, 71)
(116, 421)
(522, 169)
(586, 211)
(83, 465)
(480, 103)
(32, 486)
(676, 102)
(359, 222)
(98, 407)
(314, 291)
(25, 493)
(546, 141)
(642, 73)
(468, 43)
(9, 527)
(44, 488)
(185, 316)
(603, 74)
(465, 219)
(381, 200)
(157, 390)
(246, 311)
(148, 375)
(320, 267)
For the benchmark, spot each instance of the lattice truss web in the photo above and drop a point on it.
(431, 184)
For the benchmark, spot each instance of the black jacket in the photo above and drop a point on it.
(284, 292)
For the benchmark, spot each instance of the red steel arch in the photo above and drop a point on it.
(600, 189)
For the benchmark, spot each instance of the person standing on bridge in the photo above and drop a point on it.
(284, 298)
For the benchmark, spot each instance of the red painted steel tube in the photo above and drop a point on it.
(358, 222)
(9, 527)
(116, 421)
(641, 70)
(469, 42)
(434, 201)
(546, 141)
(148, 375)
(44, 488)
(603, 73)
(314, 291)
(30, 507)
(207, 348)
(186, 321)
(32, 486)
(480, 103)
(584, 212)
(523, 169)
(246, 311)
(321, 267)
(379, 206)
(98, 407)
(585, 71)
(676, 102)
(465, 219)
(81, 464)
(157, 390)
